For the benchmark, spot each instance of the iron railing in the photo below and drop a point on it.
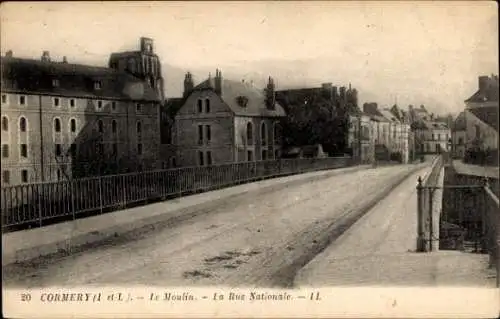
(38, 204)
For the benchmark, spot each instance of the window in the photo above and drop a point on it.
(72, 125)
(209, 133)
(22, 124)
(5, 150)
(97, 85)
(138, 107)
(100, 126)
(207, 105)
(24, 150)
(139, 149)
(58, 174)
(394, 133)
(249, 156)
(58, 150)
(5, 123)
(200, 134)
(264, 155)
(460, 140)
(249, 134)
(72, 102)
(200, 158)
(73, 149)
(209, 158)
(56, 101)
(4, 98)
(6, 177)
(115, 149)
(22, 100)
(55, 82)
(99, 104)
(276, 154)
(113, 126)
(113, 105)
(24, 176)
(277, 133)
(263, 133)
(57, 125)
(439, 137)
(139, 127)
(200, 106)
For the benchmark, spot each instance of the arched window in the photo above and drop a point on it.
(200, 106)
(263, 131)
(207, 105)
(113, 126)
(100, 126)
(22, 124)
(57, 125)
(5, 123)
(249, 134)
(72, 125)
(139, 127)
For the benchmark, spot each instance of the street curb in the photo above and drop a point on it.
(133, 230)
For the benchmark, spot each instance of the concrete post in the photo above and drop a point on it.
(420, 217)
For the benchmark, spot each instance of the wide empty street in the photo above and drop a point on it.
(254, 240)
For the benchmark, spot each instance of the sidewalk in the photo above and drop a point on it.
(379, 250)
(475, 170)
(67, 236)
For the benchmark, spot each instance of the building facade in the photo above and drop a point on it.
(62, 120)
(225, 121)
(431, 136)
(458, 136)
(481, 119)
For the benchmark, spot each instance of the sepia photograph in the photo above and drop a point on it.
(250, 158)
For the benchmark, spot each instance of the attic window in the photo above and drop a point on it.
(55, 83)
(97, 85)
(242, 101)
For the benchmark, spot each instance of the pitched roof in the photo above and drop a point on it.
(35, 76)
(389, 115)
(487, 114)
(256, 105)
(429, 125)
(487, 94)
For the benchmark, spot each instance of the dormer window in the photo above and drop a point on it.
(242, 101)
(55, 83)
(97, 85)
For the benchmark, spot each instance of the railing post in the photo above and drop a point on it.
(40, 187)
(71, 184)
(100, 193)
(420, 216)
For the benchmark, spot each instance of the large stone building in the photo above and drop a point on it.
(390, 132)
(481, 119)
(223, 121)
(63, 120)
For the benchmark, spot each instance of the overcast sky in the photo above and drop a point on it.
(420, 53)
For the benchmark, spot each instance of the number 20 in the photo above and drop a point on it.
(25, 297)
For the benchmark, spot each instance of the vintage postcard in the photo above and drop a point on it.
(281, 159)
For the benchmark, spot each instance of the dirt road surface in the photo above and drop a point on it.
(257, 241)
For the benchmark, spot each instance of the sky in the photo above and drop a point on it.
(416, 53)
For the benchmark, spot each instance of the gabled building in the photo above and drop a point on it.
(481, 119)
(62, 120)
(225, 121)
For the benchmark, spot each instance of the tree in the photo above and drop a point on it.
(314, 119)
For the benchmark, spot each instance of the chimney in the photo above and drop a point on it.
(188, 84)
(270, 96)
(483, 82)
(8, 54)
(218, 82)
(46, 56)
(65, 60)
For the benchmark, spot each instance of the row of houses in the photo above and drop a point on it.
(62, 120)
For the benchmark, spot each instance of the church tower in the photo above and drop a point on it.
(143, 64)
